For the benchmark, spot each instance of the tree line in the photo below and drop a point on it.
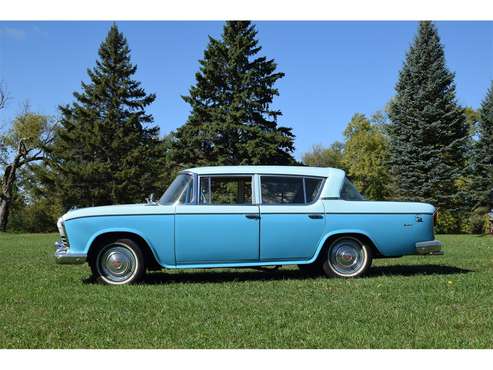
(105, 149)
(424, 146)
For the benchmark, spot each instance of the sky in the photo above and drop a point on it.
(333, 69)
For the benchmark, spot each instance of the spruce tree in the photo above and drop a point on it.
(103, 152)
(428, 128)
(483, 154)
(231, 120)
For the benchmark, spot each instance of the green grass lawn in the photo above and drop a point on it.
(410, 302)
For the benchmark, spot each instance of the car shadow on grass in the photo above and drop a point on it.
(222, 276)
(412, 270)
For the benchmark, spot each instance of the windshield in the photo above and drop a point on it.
(180, 189)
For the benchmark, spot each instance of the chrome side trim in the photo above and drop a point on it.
(64, 257)
(432, 247)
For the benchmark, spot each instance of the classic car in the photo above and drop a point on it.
(247, 216)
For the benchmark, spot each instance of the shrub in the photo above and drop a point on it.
(476, 221)
(448, 223)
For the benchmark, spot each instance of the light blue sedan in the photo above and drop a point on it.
(247, 216)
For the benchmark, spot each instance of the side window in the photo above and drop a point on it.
(349, 192)
(225, 190)
(282, 190)
(312, 188)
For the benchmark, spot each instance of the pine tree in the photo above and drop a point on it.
(231, 120)
(483, 154)
(103, 153)
(428, 129)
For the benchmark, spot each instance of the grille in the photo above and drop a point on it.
(64, 241)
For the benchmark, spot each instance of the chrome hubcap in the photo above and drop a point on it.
(347, 256)
(117, 263)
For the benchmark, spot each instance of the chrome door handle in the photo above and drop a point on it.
(252, 216)
(315, 216)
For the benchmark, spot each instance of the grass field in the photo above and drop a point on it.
(411, 302)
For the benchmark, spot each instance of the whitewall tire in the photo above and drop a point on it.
(347, 257)
(118, 262)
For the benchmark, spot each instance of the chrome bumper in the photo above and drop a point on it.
(432, 247)
(64, 257)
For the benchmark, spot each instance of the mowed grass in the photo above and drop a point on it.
(410, 302)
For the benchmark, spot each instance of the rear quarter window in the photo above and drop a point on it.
(349, 192)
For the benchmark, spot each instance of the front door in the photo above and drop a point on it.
(223, 227)
(292, 217)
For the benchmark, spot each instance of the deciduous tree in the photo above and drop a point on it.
(22, 145)
(320, 156)
(366, 156)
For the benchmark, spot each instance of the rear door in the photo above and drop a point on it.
(292, 217)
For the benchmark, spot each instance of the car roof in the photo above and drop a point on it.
(263, 170)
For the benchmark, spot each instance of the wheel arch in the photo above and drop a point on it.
(330, 237)
(98, 240)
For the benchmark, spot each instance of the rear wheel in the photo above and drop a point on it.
(347, 257)
(118, 262)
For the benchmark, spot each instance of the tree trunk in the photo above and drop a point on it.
(4, 213)
(8, 186)
(6, 196)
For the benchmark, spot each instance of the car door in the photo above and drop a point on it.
(292, 217)
(223, 227)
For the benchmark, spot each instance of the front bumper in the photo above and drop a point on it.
(64, 257)
(429, 248)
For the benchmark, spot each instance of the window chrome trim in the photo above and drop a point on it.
(258, 196)
(304, 190)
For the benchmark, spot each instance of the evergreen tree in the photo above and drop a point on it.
(428, 129)
(103, 152)
(231, 120)
(483, 154)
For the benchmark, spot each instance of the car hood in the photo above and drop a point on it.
(119, 210)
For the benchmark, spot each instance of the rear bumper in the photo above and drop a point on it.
(429, 248)
(64, 257)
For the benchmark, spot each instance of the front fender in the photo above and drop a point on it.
(156, 230)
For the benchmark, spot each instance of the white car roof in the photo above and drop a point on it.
(263, 170)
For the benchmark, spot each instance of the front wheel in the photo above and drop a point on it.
(347, 257)
(118, 262)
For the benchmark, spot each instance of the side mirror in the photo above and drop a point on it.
(151, 199)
